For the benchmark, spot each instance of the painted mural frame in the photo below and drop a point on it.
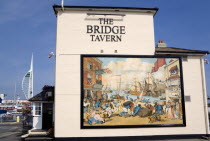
(101, 126)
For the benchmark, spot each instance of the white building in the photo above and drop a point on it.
(80, 31)
(42, 112)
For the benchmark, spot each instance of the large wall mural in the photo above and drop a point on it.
(131, 91)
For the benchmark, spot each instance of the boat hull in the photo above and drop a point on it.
(107, 91)
(137, 93)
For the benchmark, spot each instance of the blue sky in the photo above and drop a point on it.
(28, 26)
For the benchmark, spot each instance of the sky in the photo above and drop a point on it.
(29, 26)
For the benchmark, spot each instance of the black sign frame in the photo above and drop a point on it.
(82, 126)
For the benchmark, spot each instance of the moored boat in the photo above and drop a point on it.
(136, 88)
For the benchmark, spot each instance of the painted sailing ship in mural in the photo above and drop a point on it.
(149, 84)
(154, 87)
(136, 88)
(107, 89)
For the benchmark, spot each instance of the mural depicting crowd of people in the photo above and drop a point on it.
(136, 96)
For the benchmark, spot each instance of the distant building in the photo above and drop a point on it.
(14, 105)
(42, 112)
(2, 96)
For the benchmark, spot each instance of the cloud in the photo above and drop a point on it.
(130, 70)
(160, 75)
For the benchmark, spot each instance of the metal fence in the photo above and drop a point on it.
(10, 118)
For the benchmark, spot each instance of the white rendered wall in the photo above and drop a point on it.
(73, 39)
(67, 120)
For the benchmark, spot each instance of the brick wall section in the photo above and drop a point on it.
(95, 63)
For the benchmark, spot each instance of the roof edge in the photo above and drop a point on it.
(189, 51)
(105, 7)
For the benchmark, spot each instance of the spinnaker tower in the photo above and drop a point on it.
(27, 82)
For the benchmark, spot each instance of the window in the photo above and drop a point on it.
(174, 70)
(89, 66)
(96, 77)
(89, 79)
(37, 108)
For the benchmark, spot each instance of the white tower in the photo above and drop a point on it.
(27, 82)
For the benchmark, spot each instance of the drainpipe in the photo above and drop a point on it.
(204, 96)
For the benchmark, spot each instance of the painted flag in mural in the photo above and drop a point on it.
(102, 71)
(159, 63)
(99, 72)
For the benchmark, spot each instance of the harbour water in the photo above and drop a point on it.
(128, 96)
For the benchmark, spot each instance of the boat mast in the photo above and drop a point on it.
(135, 85)
(120, 84)
(14, 103)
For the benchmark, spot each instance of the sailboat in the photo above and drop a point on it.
(160, 88)
(149, 83)
(107, 89)
(136, 88)
(153, 88)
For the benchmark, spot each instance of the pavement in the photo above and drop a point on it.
(13, 131)
(184, 140)
(10, 131)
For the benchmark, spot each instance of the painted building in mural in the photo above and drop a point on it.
(173, 80)
(92, 80)
(111, 80)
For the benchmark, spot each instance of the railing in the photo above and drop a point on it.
(5, 118)
(98, 82)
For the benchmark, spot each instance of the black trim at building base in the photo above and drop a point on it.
(135, 138)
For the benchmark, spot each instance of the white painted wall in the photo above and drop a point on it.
(68, 95)
(72, 41)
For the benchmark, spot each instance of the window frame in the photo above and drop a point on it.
(38, 108)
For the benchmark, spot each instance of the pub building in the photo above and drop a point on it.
(98, 47)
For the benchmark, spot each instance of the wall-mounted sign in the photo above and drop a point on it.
(137, 91)
(106, 31)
